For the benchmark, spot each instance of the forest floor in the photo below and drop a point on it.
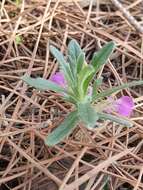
(107, 158)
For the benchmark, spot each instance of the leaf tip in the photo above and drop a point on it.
(113, 44)
(49, 143)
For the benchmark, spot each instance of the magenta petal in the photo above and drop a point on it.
(59, 79)
(124, 105)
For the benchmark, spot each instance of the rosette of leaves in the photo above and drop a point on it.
(79, 77)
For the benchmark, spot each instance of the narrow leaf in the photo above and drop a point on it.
(70, 98)
(113, 118)
(42, 84)
(72, 64)
(74, 49)
(75, 57)
(102, 55)
(60, 58)
(65, 67)
(87, 114)
(63, 130)
(80, 61)
(115, 89)
(84, 79)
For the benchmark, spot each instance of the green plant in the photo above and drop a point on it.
(77, 83)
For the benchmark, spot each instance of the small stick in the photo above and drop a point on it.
(128, 16)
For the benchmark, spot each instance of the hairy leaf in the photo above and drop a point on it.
(110, 91)
(80, 62)
(63, 130)
(87, 114)
(65, 67)
(84, 78)
(74, 49)
(42, 84)
(101, 57)
(115, 119)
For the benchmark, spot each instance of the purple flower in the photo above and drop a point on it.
(124, 105)
(59, 79)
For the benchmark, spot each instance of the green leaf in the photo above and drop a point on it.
(80, 62)
(101, 57)
(63, 65)
(84, 78)
(42, 84)
(87, 114)
(76, 57)
(63, 130)
(115, 89)
(74, 49)
(70, 98)
(60, 58)
(72, 64)
(115, 119)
